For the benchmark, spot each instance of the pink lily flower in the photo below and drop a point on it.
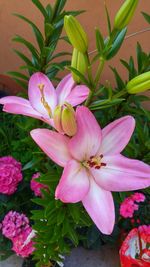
(93, 165)
(43, 98)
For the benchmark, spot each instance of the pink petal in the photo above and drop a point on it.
(122, 174)
(78, 94)
(22, 106)
(53, 144)
(74, 183)
(100, 206)
(87, 140)
(116, 135)
(14, 100)
(64, 88)
(37, 79)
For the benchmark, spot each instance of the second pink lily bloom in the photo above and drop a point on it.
(43, 98)
(93, 165)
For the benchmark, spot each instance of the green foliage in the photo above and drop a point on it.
(44, 57)
(57, 224)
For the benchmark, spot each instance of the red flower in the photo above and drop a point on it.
(134, 251)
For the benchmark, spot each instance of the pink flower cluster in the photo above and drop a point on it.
(36, 186)
(129, 205)
(15, 226)
(10, 175)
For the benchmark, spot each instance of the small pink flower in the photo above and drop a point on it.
(138, 197)
(13, 224)
(23, 244)
(36, 186)
(43, 98)
(93, 165)
(10, 175)
(128, 207)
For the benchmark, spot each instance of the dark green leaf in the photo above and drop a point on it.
(38, 4)
(99, 41)
(139, 57)
(18, 75)
(81, 76)
(48, 30)
(120, 83)
(32, 49)
(116, 44)
(38, 34)
(23, 57)
(146, 16)
(21, 83)
(108, 20)
(58, 7)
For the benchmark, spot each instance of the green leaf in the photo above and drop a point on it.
(38, 34)
(61, 216)
(38, 4)
(116, 44)
(29, 68)
(31, 48)
(18, 74)
(125, 64)
(81, 76)
(73, 235)
(23, 57)
(139, 57)
(58, 7)
(119, 81)
(99, 40)
(100, 104)
(146, 16)
(21, 83)
(133, 72)
(108, 20)
(49, 12)
(48, 30)
(60, 55)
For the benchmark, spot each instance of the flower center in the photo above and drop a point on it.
(94, 162)
(43, 101)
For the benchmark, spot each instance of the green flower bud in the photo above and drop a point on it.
(64, 119)
(76, 34)
(125, 14)
(139, 84)
(79, 62)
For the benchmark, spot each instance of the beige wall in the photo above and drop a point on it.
(10, 25)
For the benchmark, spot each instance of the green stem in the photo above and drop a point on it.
(90, 96)
(121, 93)
(99, 71)
(95, 82)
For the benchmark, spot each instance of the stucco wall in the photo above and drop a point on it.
(11, 25)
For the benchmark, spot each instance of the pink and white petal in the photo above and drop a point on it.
(14, 100)
(64, 88)
(122, 174)
(74, 183)
(87, 140)
(26, 110)
(78, 95)
(35, 95)
(100, 207)
(53, 144)
(116, 135)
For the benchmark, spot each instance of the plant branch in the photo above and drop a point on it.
(127, 37)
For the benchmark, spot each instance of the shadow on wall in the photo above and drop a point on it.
(8, 86)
